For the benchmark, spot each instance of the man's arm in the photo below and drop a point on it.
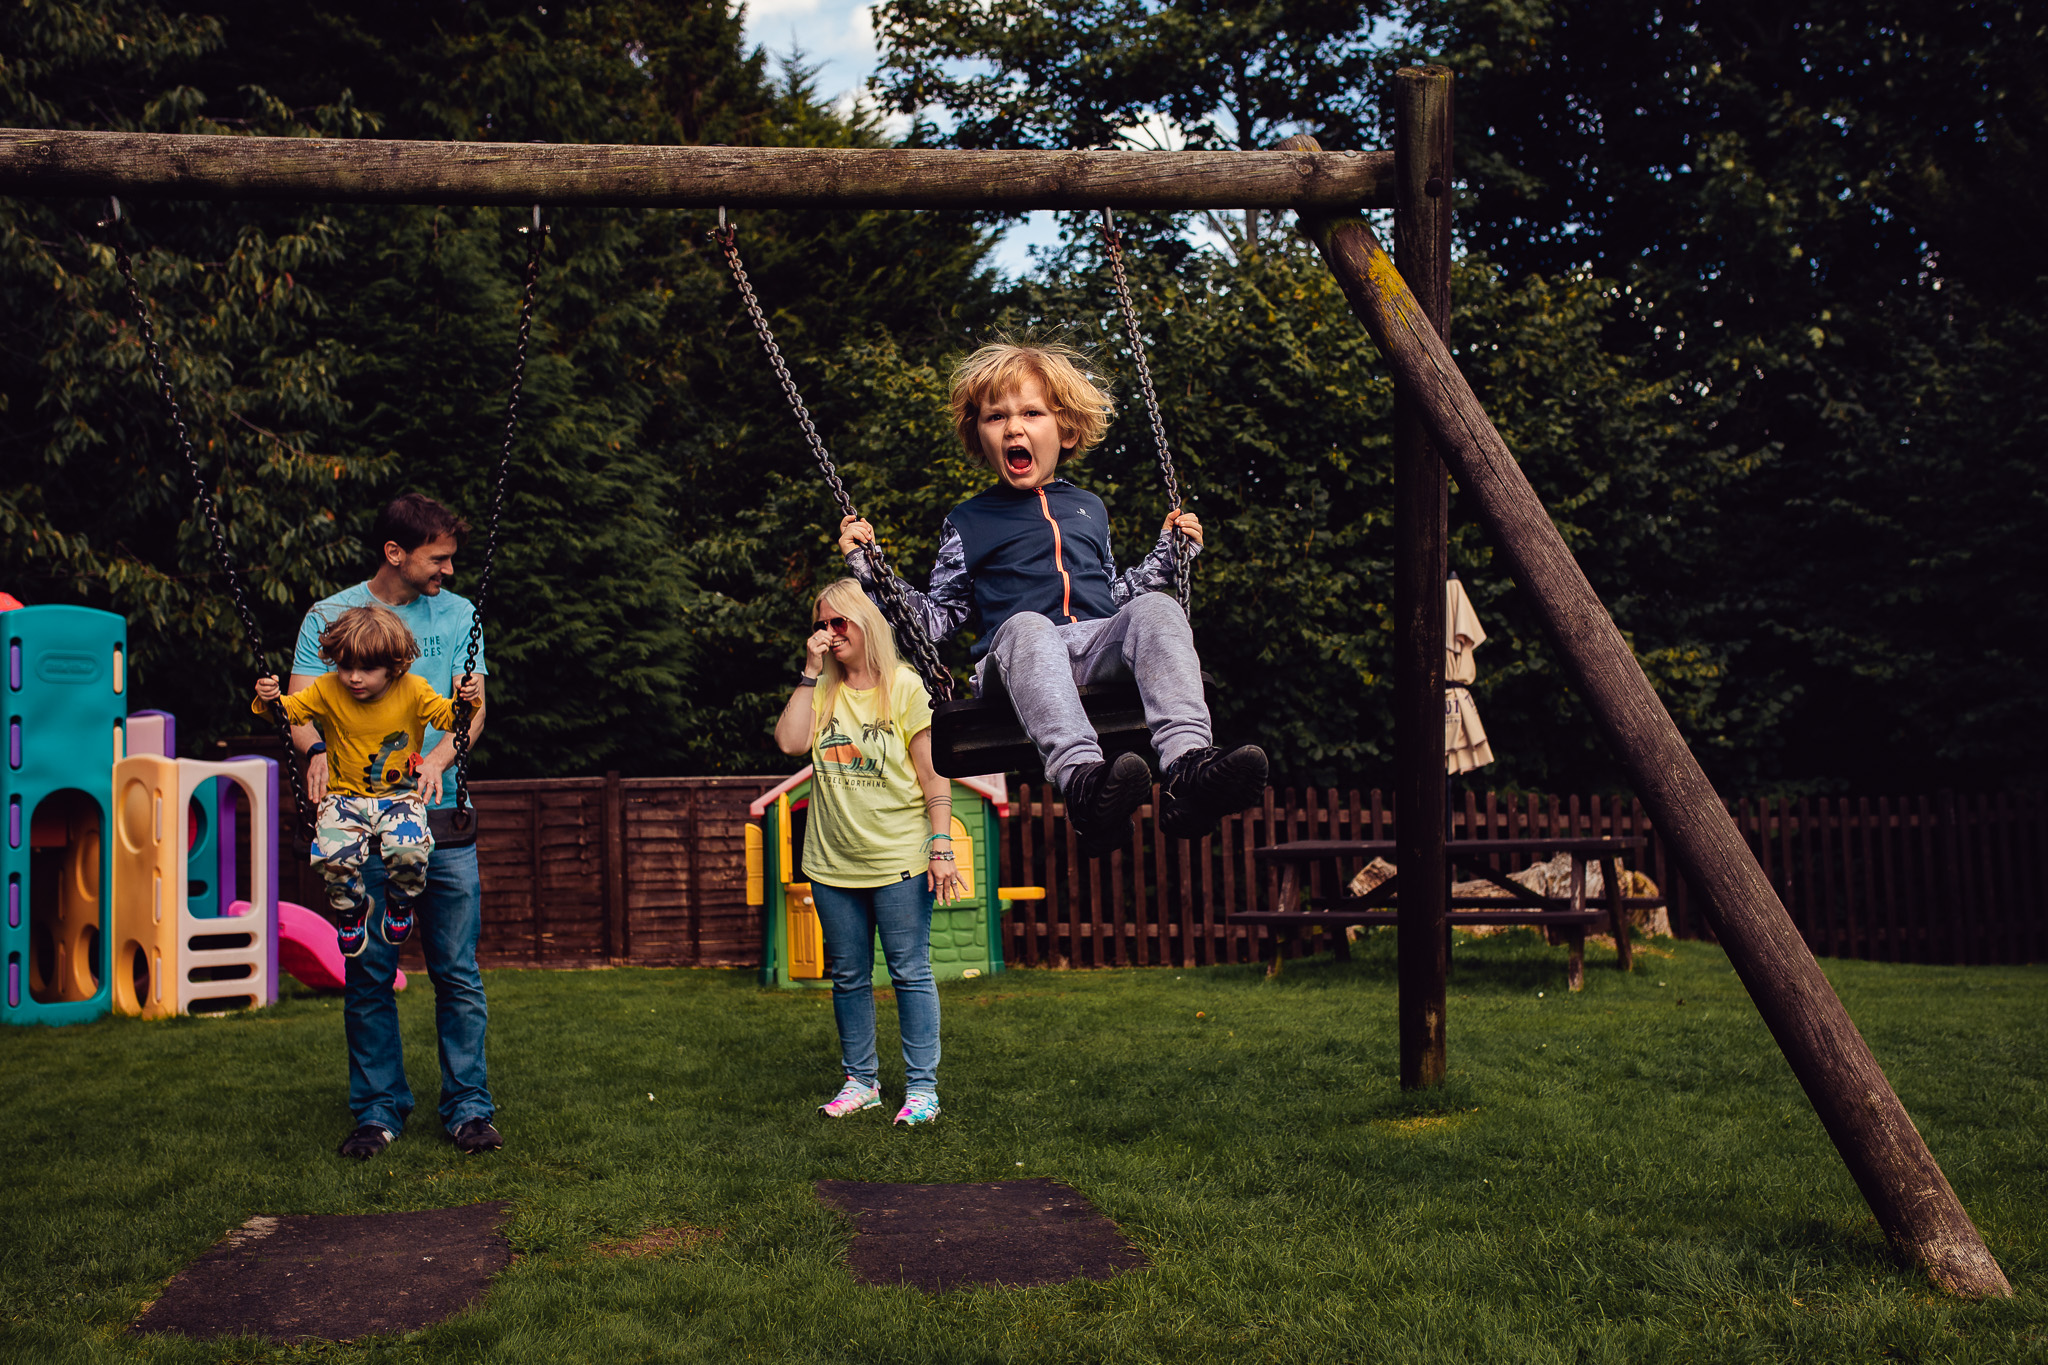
(305, 737)
(435, 765)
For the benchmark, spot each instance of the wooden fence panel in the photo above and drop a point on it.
(589, 871)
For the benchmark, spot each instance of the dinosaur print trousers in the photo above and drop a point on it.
(352, 827)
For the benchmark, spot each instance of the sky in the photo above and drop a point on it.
(837, 37)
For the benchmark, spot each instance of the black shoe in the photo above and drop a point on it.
(1100, 800)
(365, 1142)
(1205, 785)
(476, 1135)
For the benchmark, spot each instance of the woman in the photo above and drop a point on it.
(880, 817)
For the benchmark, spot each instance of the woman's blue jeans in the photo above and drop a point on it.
(902, 911)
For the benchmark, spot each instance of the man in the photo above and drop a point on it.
(415, 540)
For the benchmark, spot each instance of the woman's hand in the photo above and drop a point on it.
(1187, 523)
(943, 880)
(853, 533)
(815, 649)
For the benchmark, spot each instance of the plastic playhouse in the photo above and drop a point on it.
(137, 881)
(966, 933)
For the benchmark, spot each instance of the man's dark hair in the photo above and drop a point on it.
(411, 520)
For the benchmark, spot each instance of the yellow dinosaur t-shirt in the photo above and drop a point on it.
(373, 747)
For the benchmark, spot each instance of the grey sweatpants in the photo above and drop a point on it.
(1039, 666)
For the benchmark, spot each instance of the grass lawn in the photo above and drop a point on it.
(1625, 1175)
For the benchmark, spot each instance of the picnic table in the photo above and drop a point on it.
(1565, 917)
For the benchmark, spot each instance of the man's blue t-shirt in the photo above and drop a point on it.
(440, 626)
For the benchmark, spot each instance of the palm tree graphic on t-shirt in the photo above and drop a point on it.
(837, 750)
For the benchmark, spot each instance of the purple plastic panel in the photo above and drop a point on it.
(14, 983)
(230, 796)
(170, 730)
(265, 839)
(14, 900)
(14, 822)
(14, 743)
(14, 664)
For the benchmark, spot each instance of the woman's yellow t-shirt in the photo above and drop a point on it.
(867, 822)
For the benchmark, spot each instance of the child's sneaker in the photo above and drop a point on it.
(919, 1106)
(851, 1099)
(395, 926)
(1100, 799)
(352, 934)
(1204, 785)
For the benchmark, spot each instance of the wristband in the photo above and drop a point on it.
(318, 746)
(806, 680)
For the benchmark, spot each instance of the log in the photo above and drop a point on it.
(1885, 1154)
(1422, 509)
(337, 170)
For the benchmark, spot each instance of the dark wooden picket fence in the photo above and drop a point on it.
(1929, 879)
(589, 871)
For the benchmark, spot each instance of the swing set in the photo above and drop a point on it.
(1404, 302)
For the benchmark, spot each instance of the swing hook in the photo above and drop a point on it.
(536, 228)
(113, 213)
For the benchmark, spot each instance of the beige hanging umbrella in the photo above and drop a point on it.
(1465, 746)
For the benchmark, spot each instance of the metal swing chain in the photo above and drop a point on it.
(1182, 561)
(223, 557)
(938, 679)
(463, 710)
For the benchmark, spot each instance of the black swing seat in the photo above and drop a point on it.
(981, 735)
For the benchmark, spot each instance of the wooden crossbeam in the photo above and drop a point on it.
(332, 170)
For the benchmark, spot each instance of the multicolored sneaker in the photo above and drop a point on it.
(851, 1099)
(919, 1106)
(395, 925)
(352, 934)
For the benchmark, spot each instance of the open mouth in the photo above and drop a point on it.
(1018, 460)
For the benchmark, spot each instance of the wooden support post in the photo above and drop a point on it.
(63, 162)
(616, 946)
(1422, 246)
(1885, 1154)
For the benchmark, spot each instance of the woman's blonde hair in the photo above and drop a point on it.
(1080, 402)
(369, 637)
(847, 598)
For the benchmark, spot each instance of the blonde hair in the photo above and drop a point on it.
(369, 637)
(847, 598)
(1080, 402)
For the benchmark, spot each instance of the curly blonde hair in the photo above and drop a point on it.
(1080, 402)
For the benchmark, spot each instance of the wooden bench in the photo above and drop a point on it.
(1565, 918)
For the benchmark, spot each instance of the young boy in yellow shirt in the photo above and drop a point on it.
(372, 715)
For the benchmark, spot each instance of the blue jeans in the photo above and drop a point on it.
(450, 915)
(902, 911)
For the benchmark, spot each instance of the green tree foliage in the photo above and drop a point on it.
(1082, 73)
(641, 615)
(1823, 219)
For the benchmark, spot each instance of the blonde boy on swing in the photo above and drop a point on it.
(1028, 561)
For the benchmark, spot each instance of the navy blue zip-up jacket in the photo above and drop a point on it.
(1004, 551)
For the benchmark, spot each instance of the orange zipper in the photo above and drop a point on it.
(1058, 559)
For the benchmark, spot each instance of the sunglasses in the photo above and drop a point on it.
(836, 624)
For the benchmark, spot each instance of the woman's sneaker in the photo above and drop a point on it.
(919, 1106)
(851, 1099)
